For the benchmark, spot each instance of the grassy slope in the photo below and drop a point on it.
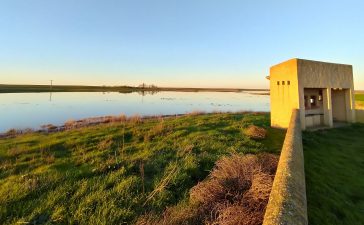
(334, 164)
(86, 176)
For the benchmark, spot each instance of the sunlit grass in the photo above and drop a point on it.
(114, 173)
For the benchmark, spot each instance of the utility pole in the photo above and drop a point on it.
(50, 91)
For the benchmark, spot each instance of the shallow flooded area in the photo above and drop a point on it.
(31, 110)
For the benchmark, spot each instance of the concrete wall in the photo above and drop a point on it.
(314, 74)
(339, 105)
(308, 74)
(287, 201)
(283, 98)
(360, 115)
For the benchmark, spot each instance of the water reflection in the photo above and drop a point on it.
(31, 110)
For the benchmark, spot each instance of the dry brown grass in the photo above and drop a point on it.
(196, 113)
(236, 192)
(157, 130)
(120, 118)
(359, 105)
(69, 124)
(255, 132)
(135, 119)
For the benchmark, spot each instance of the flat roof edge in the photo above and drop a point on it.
(309, 60)
(325, 62)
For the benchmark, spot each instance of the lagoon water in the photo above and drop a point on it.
(31, 110)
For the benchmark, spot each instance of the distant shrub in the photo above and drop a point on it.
(120, 118)
(69, 124)
(28, 130)
(11, 132)
(136, 119)
(108, 119)
(49, 127)
(196, 113)
(255, 132)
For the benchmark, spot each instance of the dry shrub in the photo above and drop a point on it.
(196, 113)
(230, 176)
(268, 163)
(120, 118)
(359, 105)
(28, 131)
(135, 119)
(11, 132)
(69, 124)
(236, 192)
(49, 127)
(255, 132)
(107, 119)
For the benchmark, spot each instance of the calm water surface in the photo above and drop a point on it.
(31, 110)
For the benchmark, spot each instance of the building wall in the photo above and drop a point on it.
(339, 105)
(283, 98)
(314, 74)
(309, 74)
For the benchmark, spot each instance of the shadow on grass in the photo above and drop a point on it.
(334, 167)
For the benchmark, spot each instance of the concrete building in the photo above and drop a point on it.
(323, 93)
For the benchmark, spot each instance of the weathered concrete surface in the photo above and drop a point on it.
(283, 97)
(287, 202)
(290, 79)
(314, 74)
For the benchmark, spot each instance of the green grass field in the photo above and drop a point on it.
(334, 166)
(114, 173)
(359, 97)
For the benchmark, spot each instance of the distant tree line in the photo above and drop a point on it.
(144, 86)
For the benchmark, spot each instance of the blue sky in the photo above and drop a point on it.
(207, 43)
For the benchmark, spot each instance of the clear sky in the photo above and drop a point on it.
(196, 43)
